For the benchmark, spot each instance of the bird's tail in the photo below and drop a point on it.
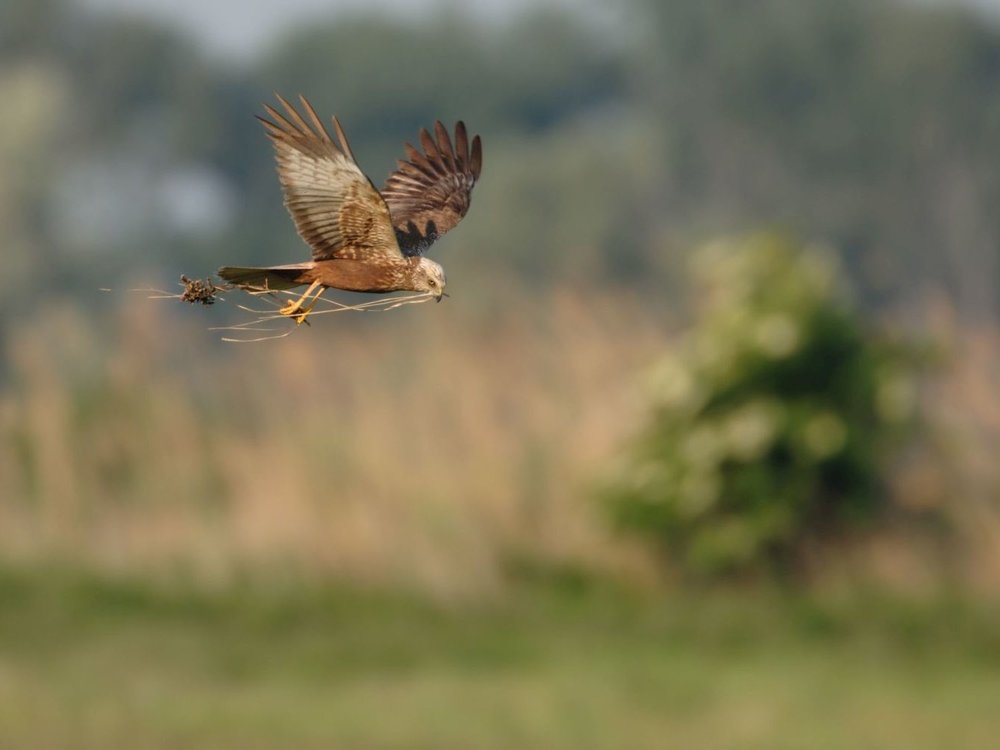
(269, 277)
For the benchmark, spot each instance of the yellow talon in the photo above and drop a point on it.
(295, 306)
(300, 318)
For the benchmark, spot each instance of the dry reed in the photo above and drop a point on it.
(422, 447)
(427, 447)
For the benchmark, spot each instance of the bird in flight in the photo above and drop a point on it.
(362, 240)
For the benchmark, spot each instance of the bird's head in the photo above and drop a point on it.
(429, 277)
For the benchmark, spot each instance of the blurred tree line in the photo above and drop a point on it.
(869, 124)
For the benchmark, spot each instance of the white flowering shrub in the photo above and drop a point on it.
(771, 422)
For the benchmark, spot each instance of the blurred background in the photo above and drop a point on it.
(701, 452)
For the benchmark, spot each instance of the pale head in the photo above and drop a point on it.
(429, 277)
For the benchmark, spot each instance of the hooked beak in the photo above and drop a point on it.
(441, 294)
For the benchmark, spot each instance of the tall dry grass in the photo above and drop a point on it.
(426, 446)
(961, 470)
(947, 480)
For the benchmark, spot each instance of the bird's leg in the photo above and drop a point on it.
(301, 316)
(295, 305)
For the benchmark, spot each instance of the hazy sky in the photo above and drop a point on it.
(242, 26)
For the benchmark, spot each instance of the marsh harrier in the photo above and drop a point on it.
(362, 240)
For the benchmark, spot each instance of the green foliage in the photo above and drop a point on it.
(94, 663)
(771, 421)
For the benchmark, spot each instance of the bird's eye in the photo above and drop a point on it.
(433, 283)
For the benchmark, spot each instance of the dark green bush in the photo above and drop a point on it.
(771, 421)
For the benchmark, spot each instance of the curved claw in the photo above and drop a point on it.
(294, 307)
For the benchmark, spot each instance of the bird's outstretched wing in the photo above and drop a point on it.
(336, 209)
(430, 191)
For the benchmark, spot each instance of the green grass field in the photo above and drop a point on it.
(86, 663)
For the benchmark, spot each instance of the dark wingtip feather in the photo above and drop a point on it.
(272, 131)
(342, 137)
(411, 152)
(317, 124)
(281, 124)
(444, 144)
(301, 126)
(476, 164)
(284, 103)
(430, 148)
(461, 144)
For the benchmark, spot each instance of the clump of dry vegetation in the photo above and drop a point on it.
(201, 291)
